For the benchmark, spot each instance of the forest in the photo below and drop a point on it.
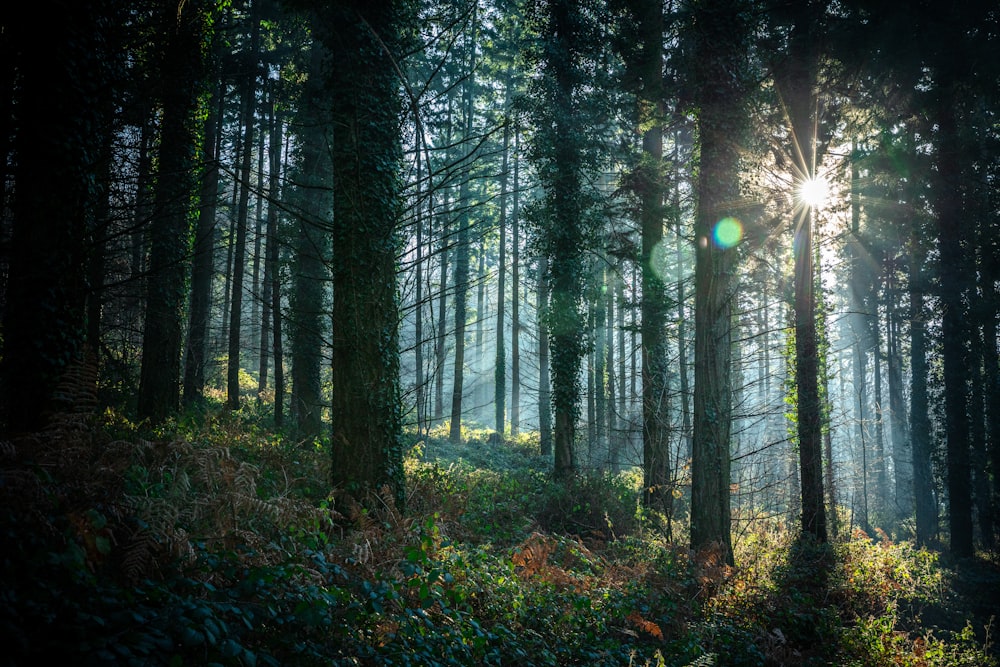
(500, 332)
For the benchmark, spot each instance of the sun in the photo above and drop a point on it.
(814, 192)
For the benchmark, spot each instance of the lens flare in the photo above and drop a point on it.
(814, 192)
(727, 233)
(658, 259)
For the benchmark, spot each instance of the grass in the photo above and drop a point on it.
(212, 541)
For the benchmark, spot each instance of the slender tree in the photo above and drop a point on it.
(649, 186)
(953, 287)
(182, 71)
(248, 97)
(500, 362)
(313, 207)
(462, 244)
(719, 97)
(203, 265)
(797, 82)
(269, 318)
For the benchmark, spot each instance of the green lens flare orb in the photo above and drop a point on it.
(727, 233)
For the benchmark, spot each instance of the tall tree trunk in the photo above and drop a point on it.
(682, 319)
(797, 84)
(269, 319)
(444, 252)
(314, 207)
(500, 361)
(247, 102)
(977, 439)
(920, 423)
(623, 416)
(590, 390)
(418, 321)
(720, 96)
(62, 76)
(366, 412)
(600, 442)
(611, 427)
(880, 463)
(544, 385)
(204, 253)
(463, 249)
(859, 330)
(954, 330)
(564, 231)
(159, 384)
(515, 297)
(902, 459)
(991, 379)
(655, 404)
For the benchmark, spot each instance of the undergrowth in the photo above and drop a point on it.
(214, 541)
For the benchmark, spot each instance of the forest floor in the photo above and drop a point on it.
(214, 540)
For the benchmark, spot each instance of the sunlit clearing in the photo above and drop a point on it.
(814, 192)
(727, 233)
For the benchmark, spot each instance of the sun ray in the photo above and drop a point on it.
(813, 192)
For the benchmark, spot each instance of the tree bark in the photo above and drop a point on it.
(204, 253)
(719, 96)
(462, 248)
(62, 76)
(367, 156)
(248, 103)
(313, 205)
(954, 329)
(159, 384)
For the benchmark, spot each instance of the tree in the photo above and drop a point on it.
(797, 81)
(462, 241)
(56, 153)
(649, 188)
(313, 206)
(719, 96)
(561, 142)
(203, 265)
(271, 315)
(366, 41)
(248, 98)
(181, 80)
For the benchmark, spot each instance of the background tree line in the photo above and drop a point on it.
(581, 218)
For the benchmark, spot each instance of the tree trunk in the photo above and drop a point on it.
(720, 125)
(920, 423)
(313, 204)
(62, 74)
(269, 315)
(247, 102)
(859, 331)
(880, 463)
(159, 384)
(204, 254)
(418, 322)
(366, 412)
(655, 405)
(797, 84)
(462, 251)
(500, 361)
(600, 442)
(515, 298)
(544, 386)
(954, 328)
(564, 237)
(902, 459)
